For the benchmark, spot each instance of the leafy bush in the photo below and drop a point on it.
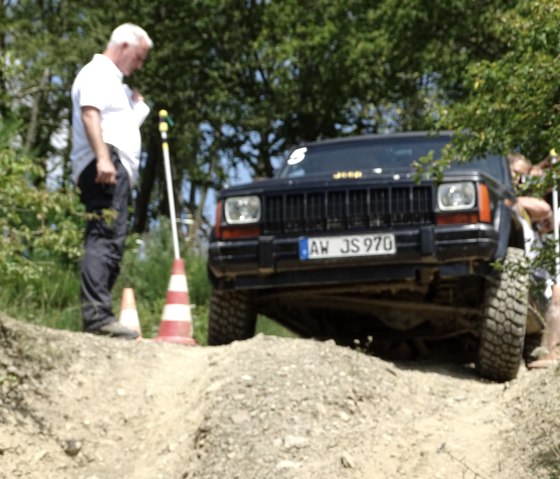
(34, 223)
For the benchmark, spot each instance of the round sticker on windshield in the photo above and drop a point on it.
(297, 156)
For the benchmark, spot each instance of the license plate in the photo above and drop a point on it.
(347, 246)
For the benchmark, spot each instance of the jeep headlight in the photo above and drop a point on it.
(456, 196)
(241, 210)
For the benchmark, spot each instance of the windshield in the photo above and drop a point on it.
(376, 155)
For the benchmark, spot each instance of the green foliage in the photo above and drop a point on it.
(294, 71)
(40, 242)
(244, 81)
(34, 222)
(50, 298)
(270, 327)
(512, 101)
(545, 257)
(42, 46)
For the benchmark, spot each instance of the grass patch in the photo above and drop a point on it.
(270, 327)
(51, 299)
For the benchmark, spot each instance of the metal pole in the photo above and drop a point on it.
(163, 127)
(556, 228)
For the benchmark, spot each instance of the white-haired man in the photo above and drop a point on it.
(106, 144)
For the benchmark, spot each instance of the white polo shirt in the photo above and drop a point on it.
(100, 84)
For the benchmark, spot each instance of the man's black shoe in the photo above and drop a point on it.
(115, 330)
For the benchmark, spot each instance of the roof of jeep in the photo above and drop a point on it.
(380, 153)
(379, 136)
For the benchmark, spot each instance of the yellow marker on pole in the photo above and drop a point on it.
(163, 129)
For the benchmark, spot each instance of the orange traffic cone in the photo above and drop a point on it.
(129, 315)
(176, 320)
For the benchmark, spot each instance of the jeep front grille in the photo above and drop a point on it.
(347, 209)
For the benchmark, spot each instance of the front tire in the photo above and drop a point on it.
(504, 319)
(232, 317)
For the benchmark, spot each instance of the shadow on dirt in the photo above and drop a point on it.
(451, 357)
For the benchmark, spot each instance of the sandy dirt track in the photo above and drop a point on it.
(79, 406)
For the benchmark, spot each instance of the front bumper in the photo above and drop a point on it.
(269, 261)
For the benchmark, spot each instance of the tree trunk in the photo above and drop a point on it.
(32, 130)
(147, 181)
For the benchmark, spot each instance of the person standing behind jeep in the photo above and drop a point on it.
(536, 211)
(106, 143)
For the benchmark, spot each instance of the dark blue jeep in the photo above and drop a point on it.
(345, 242)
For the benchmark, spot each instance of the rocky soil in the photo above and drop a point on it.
(79, 406)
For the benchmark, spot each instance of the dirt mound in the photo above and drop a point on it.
(80, 406)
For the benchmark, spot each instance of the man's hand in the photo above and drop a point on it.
(137, 96)
(106, 172)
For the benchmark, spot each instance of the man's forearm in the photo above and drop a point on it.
(92, 124)
(106, 172)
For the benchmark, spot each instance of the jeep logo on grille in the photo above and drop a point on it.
(344, 175)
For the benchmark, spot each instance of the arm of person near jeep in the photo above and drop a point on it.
(106, 172)
(538, 210)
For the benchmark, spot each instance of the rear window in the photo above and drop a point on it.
(376, 155)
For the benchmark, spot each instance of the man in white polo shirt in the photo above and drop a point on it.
(106, 144)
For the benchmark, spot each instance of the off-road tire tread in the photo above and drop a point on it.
(504, 319)
(232, 317)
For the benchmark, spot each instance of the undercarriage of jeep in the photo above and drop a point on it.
(438, 310)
